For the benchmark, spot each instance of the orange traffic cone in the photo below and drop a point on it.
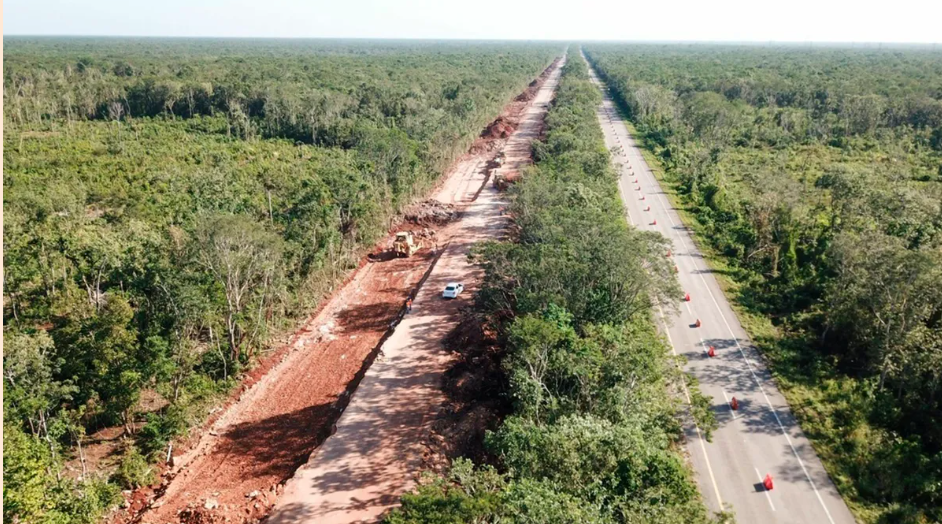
(711, 352)
(647, 208)
(638, 188)
(668, 252)
(636, 181)
(654, 223)
(767, 482)
(687, 297)
(642, 196)
(734, 404)
(697, 324)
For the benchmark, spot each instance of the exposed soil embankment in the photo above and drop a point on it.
(235, 467)
(473, 387)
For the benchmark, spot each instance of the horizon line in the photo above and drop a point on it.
(433, 39)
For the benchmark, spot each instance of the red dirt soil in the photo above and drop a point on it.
(500, 128)
(288, 404)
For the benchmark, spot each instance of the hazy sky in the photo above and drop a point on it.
(724, 20)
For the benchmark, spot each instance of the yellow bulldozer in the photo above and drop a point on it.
(504, 180)
(405, 244)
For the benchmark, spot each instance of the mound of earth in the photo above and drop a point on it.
(431, 212)
(500, 128)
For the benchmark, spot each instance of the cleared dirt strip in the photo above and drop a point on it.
(377, 451)
(236, 469)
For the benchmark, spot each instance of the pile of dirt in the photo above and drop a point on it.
(500, 128)
(531, 90)
(200, 516)
(546, 72)
(492, 138)
(431, 212)
(505, 179)
(485, 145)
(525, 96)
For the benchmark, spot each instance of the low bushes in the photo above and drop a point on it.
(593, 432)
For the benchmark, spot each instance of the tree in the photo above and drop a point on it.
(537, 345)
(883, 298)
(101, 351)
(244, 260)
(25, 475)
(33, 393)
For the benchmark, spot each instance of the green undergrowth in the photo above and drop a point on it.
(817, 395)
(594, 432)
(816, 233)
(173, 207)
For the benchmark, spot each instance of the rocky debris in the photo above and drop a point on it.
(486, 145)
(326, 331)
(198, 516)
(211, 504)
(431, 212)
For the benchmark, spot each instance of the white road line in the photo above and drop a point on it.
(703, 345)
(731, 410)
(683, 384)
(748, 363)
(801, 463)
(706, 458)
(767, 495)
(667, 209)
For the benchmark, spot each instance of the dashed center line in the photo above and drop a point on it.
(768, 496)
(731, 410)
(749, 364)
(700, 438)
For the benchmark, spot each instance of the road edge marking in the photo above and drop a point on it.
(668, 208)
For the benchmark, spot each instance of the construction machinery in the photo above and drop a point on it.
(499, 159)
(504, 180)
(405, 244)
(494, 163)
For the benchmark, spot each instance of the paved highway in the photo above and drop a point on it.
(762, 436)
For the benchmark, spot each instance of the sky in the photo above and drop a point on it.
(900, 21)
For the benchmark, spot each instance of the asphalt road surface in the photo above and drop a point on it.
(762, 436)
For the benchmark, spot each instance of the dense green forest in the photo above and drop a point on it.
(169, 205)
(816, 177)
(593, 435)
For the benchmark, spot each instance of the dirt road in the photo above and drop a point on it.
(237, 469)
(272, 430)
(762, 436)
(361, 471)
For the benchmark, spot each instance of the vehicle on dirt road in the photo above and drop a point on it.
(405, 244)
(504, 180)
(494, 164)
(452, 290)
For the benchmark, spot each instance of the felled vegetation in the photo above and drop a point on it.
(816, 177)
(170, 205)
(593, 434)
